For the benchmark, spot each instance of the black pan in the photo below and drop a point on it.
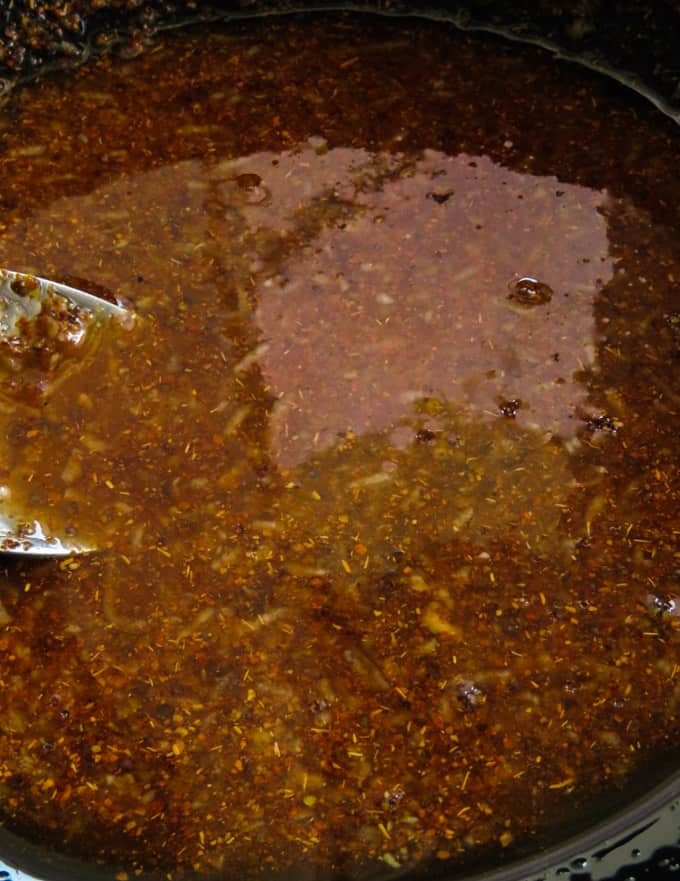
(634, 833)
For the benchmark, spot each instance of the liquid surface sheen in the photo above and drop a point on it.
(384, 476)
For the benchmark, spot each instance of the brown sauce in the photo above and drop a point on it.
(384, 476)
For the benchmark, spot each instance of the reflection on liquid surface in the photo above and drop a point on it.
(385, 474)
(404, 293)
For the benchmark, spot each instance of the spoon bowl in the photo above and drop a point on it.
(36, 311)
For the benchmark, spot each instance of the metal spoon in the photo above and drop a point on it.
(21, 301)
(22, 296)
(29, 539)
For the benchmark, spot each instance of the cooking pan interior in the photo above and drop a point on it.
(654, 787)
(620, 829)
(636, 39)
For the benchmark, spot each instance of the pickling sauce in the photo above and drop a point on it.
(383, 476)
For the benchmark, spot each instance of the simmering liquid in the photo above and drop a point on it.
(383, 476)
